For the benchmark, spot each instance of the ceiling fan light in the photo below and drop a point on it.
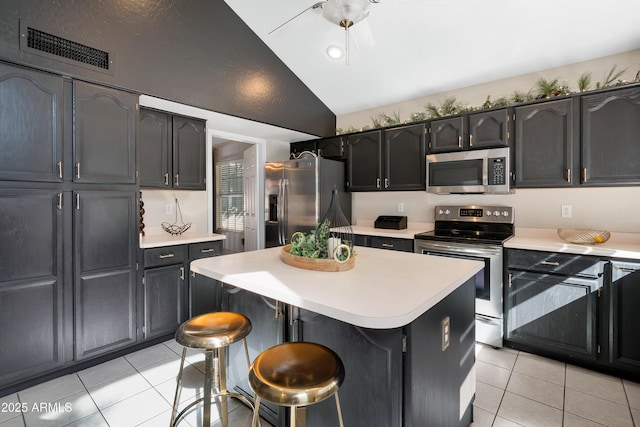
(337, 11)
(335, 52)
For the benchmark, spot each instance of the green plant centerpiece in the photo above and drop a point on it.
(319, 243)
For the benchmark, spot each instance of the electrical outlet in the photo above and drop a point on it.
(400, 207)
(446, 332)
(168, 209)
(566, 211)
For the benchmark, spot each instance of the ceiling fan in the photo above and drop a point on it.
(344, 13)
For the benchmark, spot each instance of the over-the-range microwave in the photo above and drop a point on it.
(475, 171)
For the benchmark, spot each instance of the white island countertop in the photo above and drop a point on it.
(620, 245)
(385, 289)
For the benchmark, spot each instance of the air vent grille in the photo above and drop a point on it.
(54, 45)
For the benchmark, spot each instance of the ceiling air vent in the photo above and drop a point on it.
(47, 44)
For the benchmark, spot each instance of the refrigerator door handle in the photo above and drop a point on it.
(279, 212)
(285, 210)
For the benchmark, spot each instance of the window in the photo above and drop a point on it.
(229, 196)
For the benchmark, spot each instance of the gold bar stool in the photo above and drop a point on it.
(296, 375)
(212, 332)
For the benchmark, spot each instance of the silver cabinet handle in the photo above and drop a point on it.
(584, 175)
(555, 264)
(177, 180)
(181, 273)
(78, 170)
(378, 183)
(569, 176)
(386, 183)
(59, 201)
(59, 170)
(470, 140)
(206, 251)
(166, 179)
(166, 256)
(459, 141)
(387, 245)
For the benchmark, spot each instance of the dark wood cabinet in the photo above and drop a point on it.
(104, 140)
(478, 130)
(31, 108)
(33, 293)
(551, 302)
(105, 245)
(154, 148)
(204, 293)
(392, 160)
(623, 301)
(297, 148)
(364, 161)
(547, 138)
(171, 150)
(332, 148)
(610, 138)
(383, 242)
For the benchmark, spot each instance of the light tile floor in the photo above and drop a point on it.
(512, 389)
(519, 389)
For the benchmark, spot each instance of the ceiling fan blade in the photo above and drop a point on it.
(313, 6)
(362, 36)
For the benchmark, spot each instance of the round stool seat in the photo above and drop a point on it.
(296, 374)
(213, 330)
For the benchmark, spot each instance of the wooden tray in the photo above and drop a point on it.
(315, 264)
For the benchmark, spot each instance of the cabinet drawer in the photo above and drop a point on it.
(205, 249)
(166, 255)
(405, 245)
(553, 262)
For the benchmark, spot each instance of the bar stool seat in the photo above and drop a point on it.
(212, 332)
(296, 375)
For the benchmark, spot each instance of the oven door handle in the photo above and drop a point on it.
(474, 249)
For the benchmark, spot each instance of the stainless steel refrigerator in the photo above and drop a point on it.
(298, 194)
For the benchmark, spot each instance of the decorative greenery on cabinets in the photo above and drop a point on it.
(544, 89)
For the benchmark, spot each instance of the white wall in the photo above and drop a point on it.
(193, 205)
(612, 208)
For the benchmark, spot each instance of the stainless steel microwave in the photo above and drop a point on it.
(475, 171)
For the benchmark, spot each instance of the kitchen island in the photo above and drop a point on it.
(403, 324)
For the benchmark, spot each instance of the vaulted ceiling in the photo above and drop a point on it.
(407, 49)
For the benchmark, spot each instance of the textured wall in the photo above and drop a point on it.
(196, 52)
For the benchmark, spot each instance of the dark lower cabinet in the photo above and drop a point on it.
(163, 291)
(32, 289)
(381, 242)
(105, 271)
(205, 294)
(269, 328)
(624, 300)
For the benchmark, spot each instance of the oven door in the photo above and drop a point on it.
(488, 281)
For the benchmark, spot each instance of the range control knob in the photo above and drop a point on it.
(505, 213)
(440, 212)
(447, 211)
(489, 213)
(496, 213)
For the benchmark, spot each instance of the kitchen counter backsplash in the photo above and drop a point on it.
(619, 245)
(156, 237)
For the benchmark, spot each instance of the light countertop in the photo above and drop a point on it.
(366, 227)
(620, 245)
(156, 240)
(385, 289)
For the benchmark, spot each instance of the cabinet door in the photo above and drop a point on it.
(105, 235)
(332, 148)
(447, 134)
(546, 141)
(32, 290)
(31, 108)
(296, 148)
(371, 394)
(610, 146)
(188, 153)
(404, 158)
(204, 292)
(391, 243)
(490, 129)
(552, 313)
(163, 290)
(624, 300)
(154, 149)
(105, 134)
(268, 322)
(364, 161)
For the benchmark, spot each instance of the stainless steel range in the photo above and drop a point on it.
(477, 233)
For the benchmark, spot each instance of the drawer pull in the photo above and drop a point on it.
(167, 256)
(206, 251)
(387, 245)
(555, 264)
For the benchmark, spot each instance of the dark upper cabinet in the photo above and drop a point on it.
(477, 130)
(31, 108)
(546, 150)
(154, 148)
(171, 151)
(32, 289)
(332, 148)
(104, 139)
(105, 246)
(624, 300)
(188, 153)
(610, 138)
(297, 148)
(404, 158)
(364, 161)
(393, 159)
